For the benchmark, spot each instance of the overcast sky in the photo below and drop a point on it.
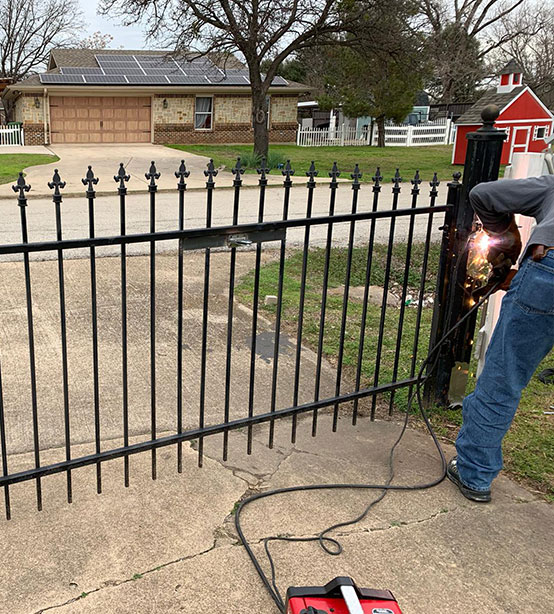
(130, 37)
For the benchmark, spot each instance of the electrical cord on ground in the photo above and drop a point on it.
(329, 544)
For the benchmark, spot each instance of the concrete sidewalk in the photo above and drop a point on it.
(169, 546)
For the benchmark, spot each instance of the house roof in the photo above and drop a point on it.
(86, 58)
(473, 114)
(84, 69)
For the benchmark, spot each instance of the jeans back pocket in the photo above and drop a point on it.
(535, 292)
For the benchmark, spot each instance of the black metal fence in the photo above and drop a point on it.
(179, 376)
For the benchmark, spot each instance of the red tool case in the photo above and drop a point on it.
(340, 596)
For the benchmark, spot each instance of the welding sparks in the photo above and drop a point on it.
(478, 266)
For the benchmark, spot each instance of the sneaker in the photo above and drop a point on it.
(479, 496)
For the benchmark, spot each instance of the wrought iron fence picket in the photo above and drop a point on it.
(272, 405)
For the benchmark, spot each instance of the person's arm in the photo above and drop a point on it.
(496, 202)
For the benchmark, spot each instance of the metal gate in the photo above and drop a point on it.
(177, 373)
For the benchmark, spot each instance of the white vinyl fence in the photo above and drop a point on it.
(440, 132)
(11, 135)
(343, 135)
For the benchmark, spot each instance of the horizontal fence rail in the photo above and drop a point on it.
(11, 135)
(155, 347)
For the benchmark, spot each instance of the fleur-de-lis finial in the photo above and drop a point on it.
(56, 183)
(210, 171)
(415, 182)
(152, 174)
(397, 180)
(311, 173)
(121, 176)
(434, 183)
(90, 180)
(288, 172)
(181, 173)
(237, 171)
(377, 178)
(263, 170)
(356, 176)
(21, 187)
(334, 173)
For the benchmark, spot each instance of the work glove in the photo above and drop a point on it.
(504, 249)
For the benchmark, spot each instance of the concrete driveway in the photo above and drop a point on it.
(105, 160)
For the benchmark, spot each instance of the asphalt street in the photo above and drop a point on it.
(41, 215)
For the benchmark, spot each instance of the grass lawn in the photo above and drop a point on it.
(11, 164)
(529, 446)
(408, 159)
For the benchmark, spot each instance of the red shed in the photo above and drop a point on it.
(523, 116)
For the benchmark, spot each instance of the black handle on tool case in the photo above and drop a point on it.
(333, 589)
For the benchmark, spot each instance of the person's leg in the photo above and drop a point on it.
(523, 336)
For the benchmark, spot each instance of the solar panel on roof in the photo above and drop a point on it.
(75, 70)
(61, 79)
(279, 81)
(147, 79)
(113, 79)
(163, 71)
(123, 71)
(188, 80)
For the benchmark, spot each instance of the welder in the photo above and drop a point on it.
(524, 333)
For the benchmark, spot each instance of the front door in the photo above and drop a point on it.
(520, 140)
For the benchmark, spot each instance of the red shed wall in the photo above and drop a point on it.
(460, 144)
(524, 107)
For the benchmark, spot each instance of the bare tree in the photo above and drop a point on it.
(256, 30)
(462, 35)
(96, 40)
(29, 29)
(533, 50)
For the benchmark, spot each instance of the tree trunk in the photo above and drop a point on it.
(259, 122)
(381, 131)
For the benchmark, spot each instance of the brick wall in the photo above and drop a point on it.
(232, 120)
(180, 109)
(26, 111)
(34, 134)
(284, 109)
(232, 109)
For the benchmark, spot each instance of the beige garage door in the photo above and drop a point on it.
(100, 119)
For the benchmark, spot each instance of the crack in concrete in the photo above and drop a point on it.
(336, 535)
(135, 578)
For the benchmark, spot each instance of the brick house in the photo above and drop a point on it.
(116, 96)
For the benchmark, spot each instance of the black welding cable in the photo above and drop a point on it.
(324, 541)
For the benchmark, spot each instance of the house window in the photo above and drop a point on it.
(507, 131)
(203, 113)
(540, 132)
(517, 78)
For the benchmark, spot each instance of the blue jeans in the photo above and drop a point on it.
(523, 336)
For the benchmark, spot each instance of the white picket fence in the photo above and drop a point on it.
(440, 132)
(11, 135)
(319, 137)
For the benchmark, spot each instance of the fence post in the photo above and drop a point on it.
(409, 135)
(298, 130)
(484, 149)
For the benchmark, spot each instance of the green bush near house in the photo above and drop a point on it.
(12, 164)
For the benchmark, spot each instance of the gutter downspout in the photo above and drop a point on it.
(45, 115)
